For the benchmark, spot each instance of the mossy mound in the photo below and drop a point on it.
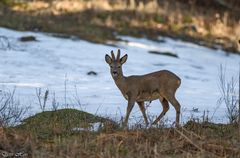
(63, 122)
(213, 130)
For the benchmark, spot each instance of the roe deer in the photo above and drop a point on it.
(160, 85)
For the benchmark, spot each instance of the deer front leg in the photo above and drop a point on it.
(143, 110)
(131, 102)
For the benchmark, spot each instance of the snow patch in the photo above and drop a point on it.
(61, 65)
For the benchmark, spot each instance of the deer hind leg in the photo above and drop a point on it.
(165, 106)
(172, 99)
(143, 110)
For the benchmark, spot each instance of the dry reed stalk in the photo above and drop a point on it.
(189, 140)
(192, 133)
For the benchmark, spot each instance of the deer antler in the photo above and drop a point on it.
(113, 56)
(118, 54)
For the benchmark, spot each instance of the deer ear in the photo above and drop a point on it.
(123, 59)
(108, 59)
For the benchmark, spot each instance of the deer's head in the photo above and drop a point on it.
(116, 63)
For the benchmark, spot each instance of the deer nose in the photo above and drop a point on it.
(114, 72)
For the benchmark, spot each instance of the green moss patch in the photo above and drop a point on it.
(62, 122)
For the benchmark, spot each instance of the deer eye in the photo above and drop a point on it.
(119, 66)
(111, 66)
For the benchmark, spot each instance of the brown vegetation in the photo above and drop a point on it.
(98, 21)
(192, 140)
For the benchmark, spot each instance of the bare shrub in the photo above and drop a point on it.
(229, 95)
(45, 98)
(4, 43)
(7, 43)
(55, 104)
(11, 111)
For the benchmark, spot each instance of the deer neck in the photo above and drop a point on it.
(120, 81)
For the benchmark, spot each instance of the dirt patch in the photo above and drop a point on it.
(170, 54)
(28, 39)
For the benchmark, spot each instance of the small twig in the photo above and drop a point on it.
(228, 92)
(11, 111)
(38, 94)
(77, 99)
(54, 102)
(65, 91)
(4, 43)
(45, 99)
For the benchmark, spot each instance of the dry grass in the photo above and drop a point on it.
(97, 21)
(191, 140)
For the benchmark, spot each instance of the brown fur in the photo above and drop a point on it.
(160, 85)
